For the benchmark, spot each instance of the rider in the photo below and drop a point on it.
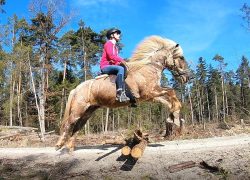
(111, 63)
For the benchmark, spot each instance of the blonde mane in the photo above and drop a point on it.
(147, 49)
(149, 46)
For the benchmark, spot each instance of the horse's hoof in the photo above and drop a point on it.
(58, 147)
(71, 150)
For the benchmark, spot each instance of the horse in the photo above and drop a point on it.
(144, 68)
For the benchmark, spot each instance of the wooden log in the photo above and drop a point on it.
(9, 136)
(19, 128)
(114, 141)
(13, 130)
(50, 132)
(181, 166)
(126, 150)
(138, 150)
(130, 143)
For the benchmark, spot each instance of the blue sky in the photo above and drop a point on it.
(202, 27)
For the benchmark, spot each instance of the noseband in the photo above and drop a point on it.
(175, 70)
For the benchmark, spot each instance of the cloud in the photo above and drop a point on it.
(100, 13)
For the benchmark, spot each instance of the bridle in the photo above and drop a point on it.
(175, 70)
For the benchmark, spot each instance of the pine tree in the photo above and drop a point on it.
(201, 74)
(246, 15)
(214, 91)
(2, 2)
(242, 76)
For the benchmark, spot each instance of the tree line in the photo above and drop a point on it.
(38, 68)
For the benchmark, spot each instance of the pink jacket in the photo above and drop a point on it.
(110, 55)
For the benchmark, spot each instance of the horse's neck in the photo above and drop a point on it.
(151, 67)
(149, 73)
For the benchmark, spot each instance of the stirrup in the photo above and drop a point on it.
(122, 97)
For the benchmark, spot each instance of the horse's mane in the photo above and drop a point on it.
(149, 46)
(147, 49)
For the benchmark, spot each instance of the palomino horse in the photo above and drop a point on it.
(151, 57)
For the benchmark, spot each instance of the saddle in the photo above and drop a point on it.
(128, 91)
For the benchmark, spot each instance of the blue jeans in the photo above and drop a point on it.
(113, 69)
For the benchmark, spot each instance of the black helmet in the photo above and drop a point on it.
(111, 31)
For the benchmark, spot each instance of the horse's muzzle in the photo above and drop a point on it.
(185, 76)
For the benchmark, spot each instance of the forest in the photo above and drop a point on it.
(40, 64)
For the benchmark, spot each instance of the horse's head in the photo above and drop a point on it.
(163, 53)
(177, 64)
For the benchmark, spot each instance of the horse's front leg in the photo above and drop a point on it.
(171, 101)
(162, 92)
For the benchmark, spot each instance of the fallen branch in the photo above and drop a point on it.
(19, 127)
(181, 166)
(205, 165)
(114, 142)
(9, 136)
(50, 132)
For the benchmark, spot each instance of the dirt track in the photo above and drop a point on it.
(230, 154)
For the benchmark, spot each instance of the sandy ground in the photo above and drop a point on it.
(231, 155)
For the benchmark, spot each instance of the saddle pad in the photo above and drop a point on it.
(101, 76)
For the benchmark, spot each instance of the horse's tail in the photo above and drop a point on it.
(67, 108)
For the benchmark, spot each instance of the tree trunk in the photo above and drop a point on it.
(107, 120)
(42, 97)
(216, 104)
(103, 128)
(19, 97)
(226, 100)
(11, 95)
(118, 120)
(198, 102)
(36, 99)
(113, 120)
(223, 97)
(208, 107)
(191, 107)
(63, 90)
(150, 113)
(129, 117)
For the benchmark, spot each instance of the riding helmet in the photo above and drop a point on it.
(111, 31)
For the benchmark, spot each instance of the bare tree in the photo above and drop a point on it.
(48, 20)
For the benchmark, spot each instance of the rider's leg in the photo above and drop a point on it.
(120, 84)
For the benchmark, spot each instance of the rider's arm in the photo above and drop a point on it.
(112, 54)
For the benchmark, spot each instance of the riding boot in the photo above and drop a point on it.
(120, 92)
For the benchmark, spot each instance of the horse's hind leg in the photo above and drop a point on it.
(76, 112)
(70, 144)
(78, 126)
